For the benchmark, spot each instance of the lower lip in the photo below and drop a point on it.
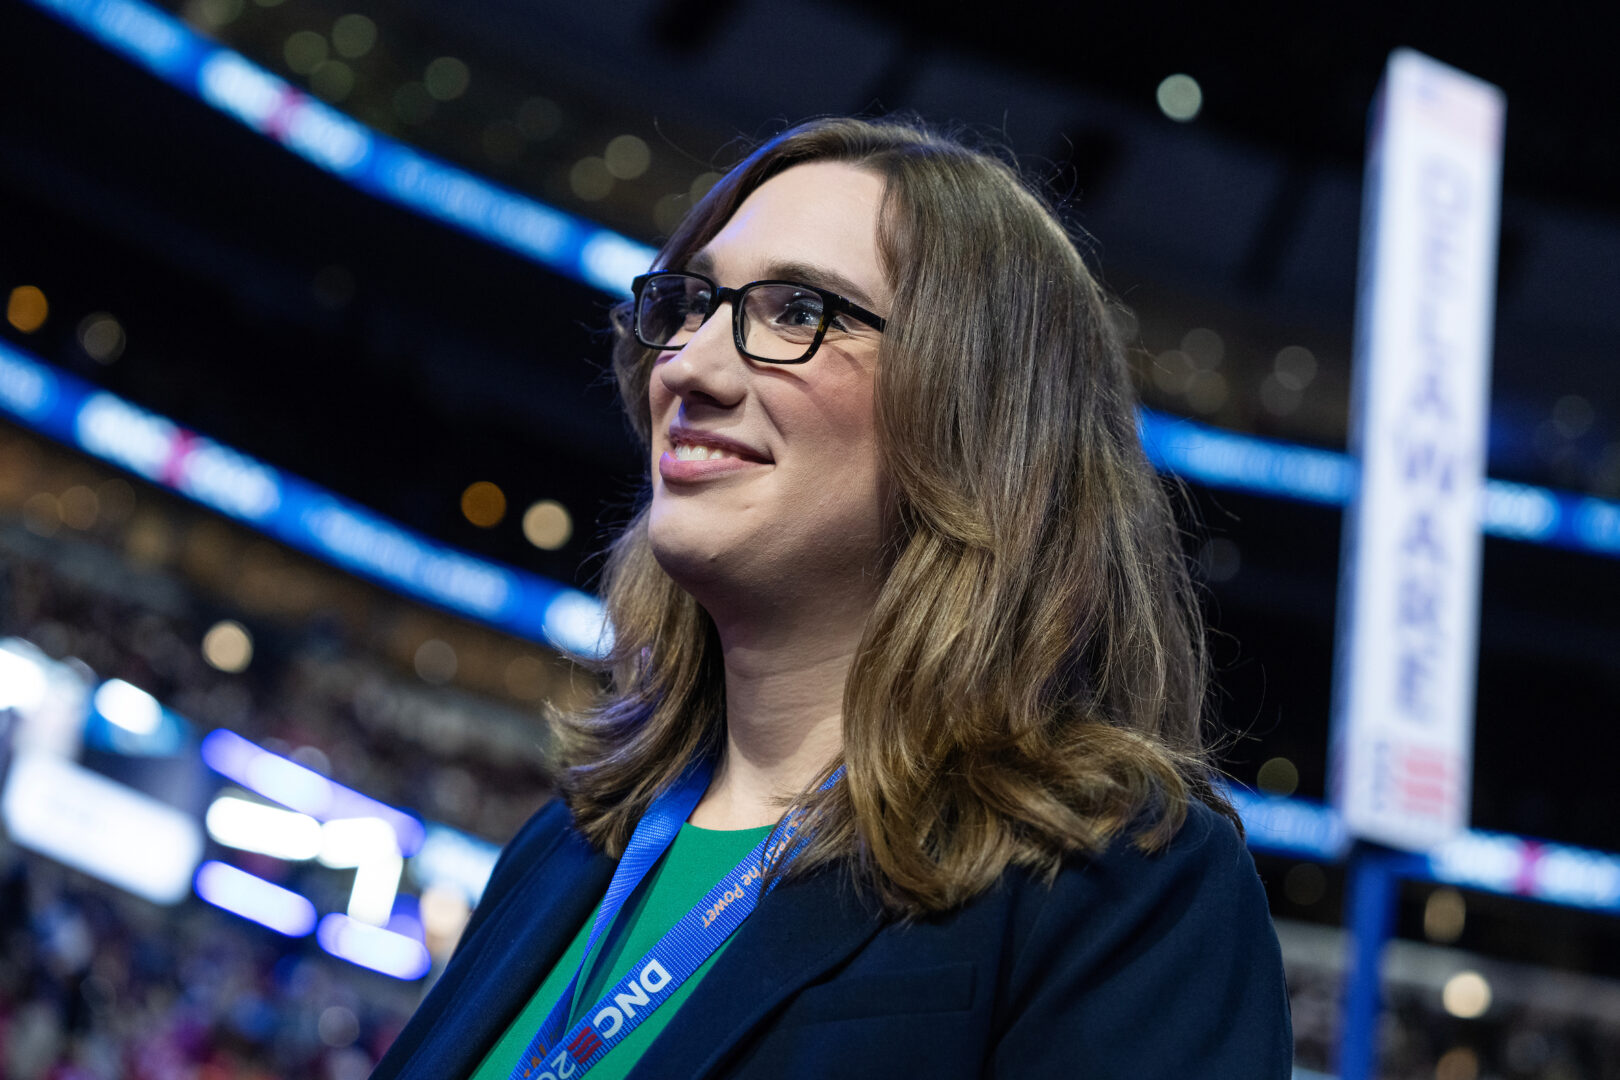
(676, 471)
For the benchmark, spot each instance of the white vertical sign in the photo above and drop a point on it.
(1409, 584)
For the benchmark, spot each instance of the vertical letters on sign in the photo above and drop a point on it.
(1409, 588)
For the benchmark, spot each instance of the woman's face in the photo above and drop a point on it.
(784, 501)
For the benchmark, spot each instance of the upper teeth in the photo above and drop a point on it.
(686, 452)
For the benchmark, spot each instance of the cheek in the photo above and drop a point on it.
(846, 416)
(839, 428)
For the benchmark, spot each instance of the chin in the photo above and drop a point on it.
(689, 551)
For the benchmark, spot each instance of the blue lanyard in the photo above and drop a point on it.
(669, 963)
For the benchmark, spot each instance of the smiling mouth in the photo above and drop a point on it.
(688, 444)
(689, 452)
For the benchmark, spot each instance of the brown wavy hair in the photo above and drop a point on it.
(1031, 680)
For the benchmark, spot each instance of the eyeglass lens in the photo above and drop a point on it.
(779, 322)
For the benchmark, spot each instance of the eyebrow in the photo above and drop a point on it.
(794, 270)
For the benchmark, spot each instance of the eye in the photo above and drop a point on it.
(693, 300)
(795, 310)
(671, 305)
(680, 304)
(804, 309)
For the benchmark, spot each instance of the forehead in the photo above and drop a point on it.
(818, 214)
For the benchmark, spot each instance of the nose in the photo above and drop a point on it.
(706, 367)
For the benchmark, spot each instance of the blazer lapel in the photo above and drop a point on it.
(489, 983)
(799, 932)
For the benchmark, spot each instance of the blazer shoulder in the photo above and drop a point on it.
(1196, 896)
(1207, 844)
(1123, 939)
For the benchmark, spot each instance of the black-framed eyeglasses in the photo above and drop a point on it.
(778, 322)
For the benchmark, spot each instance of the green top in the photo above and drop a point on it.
(696, 861)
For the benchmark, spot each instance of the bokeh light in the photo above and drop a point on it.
(338, 1026)
(1294, 366)
(435, 661)
(1173, 371)
(590, 179)
(627, 157)
(149, 540)
(228, 646)
(444, 915)
(212, 14)
(27, 309)
(304, 51)
(447, 78)
(483, 504)
(79, 507)
(1278, 776)
(1458, 1063)
(701, 184)
(1180, 97)
(353, 36)
(102, 337)
(527, 678)
(547, 524)
(1466, 995)
(1445, 913)
(1277, 397)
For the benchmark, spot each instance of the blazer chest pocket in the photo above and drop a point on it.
(946, 988)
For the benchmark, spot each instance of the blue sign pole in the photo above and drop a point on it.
(1370, 914)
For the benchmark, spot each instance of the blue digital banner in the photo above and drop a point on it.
(369, 160)
(1279, 825)
(296, 511)
(1490, 862)
(1214, 457)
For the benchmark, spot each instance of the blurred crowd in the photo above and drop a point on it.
(95, 985)
(98, 984)
(1516, 1039)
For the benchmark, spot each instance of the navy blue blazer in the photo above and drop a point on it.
(1129, 965)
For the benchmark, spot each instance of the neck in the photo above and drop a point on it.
(784, 718)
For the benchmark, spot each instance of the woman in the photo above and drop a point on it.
(904, 625)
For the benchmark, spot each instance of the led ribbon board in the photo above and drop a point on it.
(369, 160)
(571, 246)
(1500, 863)
(1409, 592)
(1218, 458)
(295, 511)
